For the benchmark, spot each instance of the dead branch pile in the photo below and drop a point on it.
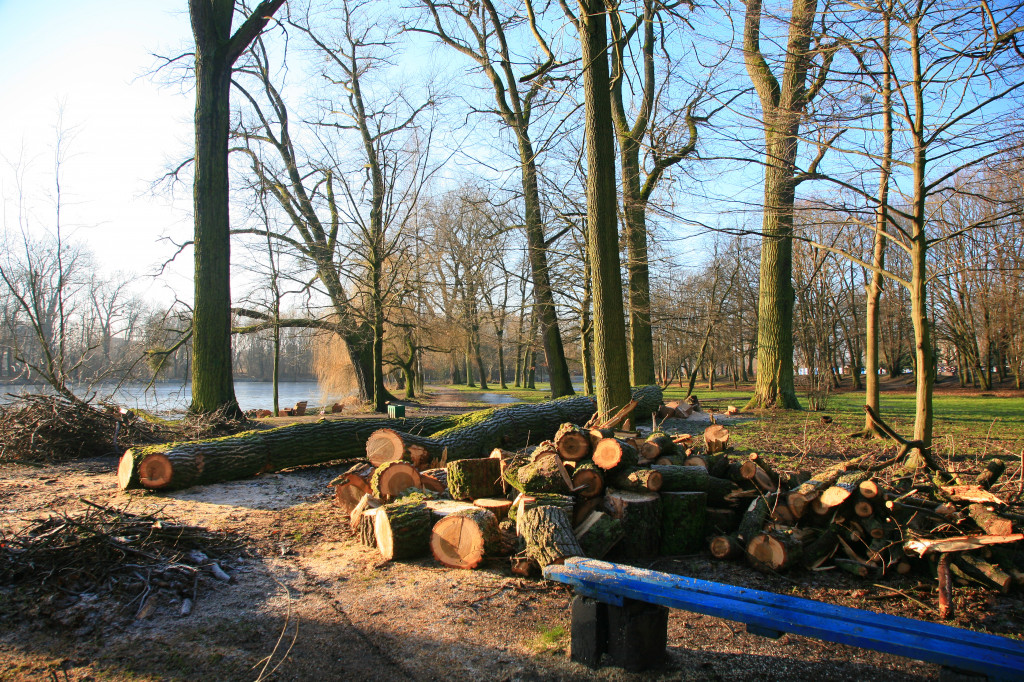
(58, 569)
(47, 428)
(602, 492)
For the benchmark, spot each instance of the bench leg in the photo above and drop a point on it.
(589, 631)
(637, 635)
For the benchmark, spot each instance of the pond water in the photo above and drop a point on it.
(169, 397)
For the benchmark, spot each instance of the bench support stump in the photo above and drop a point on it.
(634, 635)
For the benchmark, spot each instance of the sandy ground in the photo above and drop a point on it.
(309, 601)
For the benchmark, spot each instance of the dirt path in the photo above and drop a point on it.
(322, 606)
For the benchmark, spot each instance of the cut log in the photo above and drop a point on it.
(367, 502)
(526, 501)
(869, 489)
(861, 569)
(750, 471)
(598, 534)
(963, 543)
(722, 520)
(402, 529)
(695, 461)
(349, 489)
(774, 551)
(432, 484)
(804, 494)
(549, 536)
(388, 445)
(945, 587)
(393, 478)
(469, 479)
(680, 479)
(753, 520)
(716, 438)
(726, 547)
(636, 479)
(613, 452)
(994, 468)
(683, 522)
(657, 445)
(439, 509)
(981, 571)
(843, 488)
(439, 475)
(366, 531)
(640, 514)
(572, 442)
(180, 465)
(989, 521)
(597, 434)
(463, 539)
(545, 474)
(585, 507)
(821, 549)
(498, 506)
(588, 480)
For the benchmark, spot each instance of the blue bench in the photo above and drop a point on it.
(623, 611)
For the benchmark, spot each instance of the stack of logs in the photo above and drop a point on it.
(862, 517)
(605, 493)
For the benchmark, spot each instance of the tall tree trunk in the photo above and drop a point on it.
(874, 288)
(501, 358)
(783, 102)
(554, 352)
(479, 359)
(610, 355)
(215, 54)
(212, 384)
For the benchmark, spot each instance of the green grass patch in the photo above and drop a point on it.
(549, 639)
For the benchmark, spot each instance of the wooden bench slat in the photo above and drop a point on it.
(998, 657)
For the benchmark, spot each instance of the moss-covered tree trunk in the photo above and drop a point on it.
(474, 434)
(611, 359)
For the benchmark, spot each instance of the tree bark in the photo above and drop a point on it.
(610, 353)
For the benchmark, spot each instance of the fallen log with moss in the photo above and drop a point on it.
(173, 466)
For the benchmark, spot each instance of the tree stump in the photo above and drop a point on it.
(716, 438)
(402, 530)
(463, 539)
(469, 479)
(549, 536)
(683, 522)
(640, 514)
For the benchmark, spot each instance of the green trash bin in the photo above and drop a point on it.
(396, 411)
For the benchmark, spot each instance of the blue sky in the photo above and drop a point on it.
(93, 57)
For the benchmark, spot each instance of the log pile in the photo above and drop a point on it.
(592, 490)
(872, 517)
(600, 492)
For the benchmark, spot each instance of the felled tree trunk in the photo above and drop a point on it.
(181, 465)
